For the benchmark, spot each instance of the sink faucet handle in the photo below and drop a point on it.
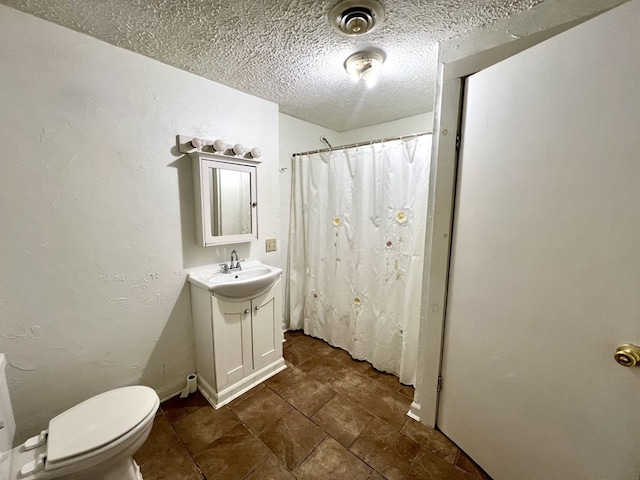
(224, 268)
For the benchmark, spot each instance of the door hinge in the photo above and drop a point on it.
(439, 383)
(458, 141)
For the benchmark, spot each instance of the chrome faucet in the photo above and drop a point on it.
(237, 265)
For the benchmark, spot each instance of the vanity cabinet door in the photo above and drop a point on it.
(267, 340)
(232, 332)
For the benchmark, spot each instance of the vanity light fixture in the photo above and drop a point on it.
(188, 144)
(365, 65)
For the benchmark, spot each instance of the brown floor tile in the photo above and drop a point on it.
(308, 395)
(332, 461)
(290, 376)
(292, 438)
(292, 335)
(232, 456)
(379, 400)
(376, 476)
(200, 428)
(271, 469)
(386, 450)
(246, 395)
(261, 410)
(174, 464)
(342, 356)
(297, 352)
(387, 379)
(465, 463)
(177, 407)
(316, 345)
(407, 391)
(342, 419)
(430, 439)
(162, 436)
(351, 384)
(323, 368)
(428, 466)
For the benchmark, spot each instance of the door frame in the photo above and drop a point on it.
(456, 61)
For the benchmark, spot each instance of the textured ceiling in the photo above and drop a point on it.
(284, 50)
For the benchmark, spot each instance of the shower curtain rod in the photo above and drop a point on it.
(370, 142)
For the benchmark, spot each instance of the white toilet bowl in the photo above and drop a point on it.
(95, 440)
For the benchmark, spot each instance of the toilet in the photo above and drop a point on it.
(95, 440)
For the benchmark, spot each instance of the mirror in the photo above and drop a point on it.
(231, 194)
(225, 199)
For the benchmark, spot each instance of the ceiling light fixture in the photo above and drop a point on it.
(365, 65)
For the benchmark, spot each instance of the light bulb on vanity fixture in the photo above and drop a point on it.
(219, 146)
(197, 142)
(239, 149)
(365, 65)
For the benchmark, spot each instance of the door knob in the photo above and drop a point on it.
(628, 355)
(247, 311)
(258, 307)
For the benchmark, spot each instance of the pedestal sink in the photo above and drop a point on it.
(254, 279)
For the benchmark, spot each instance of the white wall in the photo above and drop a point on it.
(405, 126)
(97, 213)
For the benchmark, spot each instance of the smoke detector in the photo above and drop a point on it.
(356, 17)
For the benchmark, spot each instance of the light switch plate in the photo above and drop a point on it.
(270, 244)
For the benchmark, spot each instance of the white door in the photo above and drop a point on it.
(545, 268)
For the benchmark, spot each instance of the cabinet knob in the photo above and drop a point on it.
(258, 307)
(247, 311)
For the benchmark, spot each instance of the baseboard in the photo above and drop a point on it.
(414, 411)
(171, 390)
(221, 398)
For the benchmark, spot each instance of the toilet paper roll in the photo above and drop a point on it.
(192, 385)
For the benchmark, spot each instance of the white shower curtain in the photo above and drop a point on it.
(356, 250)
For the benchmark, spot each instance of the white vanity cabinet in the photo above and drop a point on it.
(238, 343)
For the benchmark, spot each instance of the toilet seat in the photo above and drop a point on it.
(99, 421)
(95, 430)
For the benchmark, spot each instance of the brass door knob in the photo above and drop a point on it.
(628, 355)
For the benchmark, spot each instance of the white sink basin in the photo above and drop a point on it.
(254, 279)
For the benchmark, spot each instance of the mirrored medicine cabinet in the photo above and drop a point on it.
(225, 199)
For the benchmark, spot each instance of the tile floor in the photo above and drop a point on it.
(326, 416)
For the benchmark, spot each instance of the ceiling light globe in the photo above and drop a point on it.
(365, 65)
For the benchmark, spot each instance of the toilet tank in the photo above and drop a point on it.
(7, 423)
